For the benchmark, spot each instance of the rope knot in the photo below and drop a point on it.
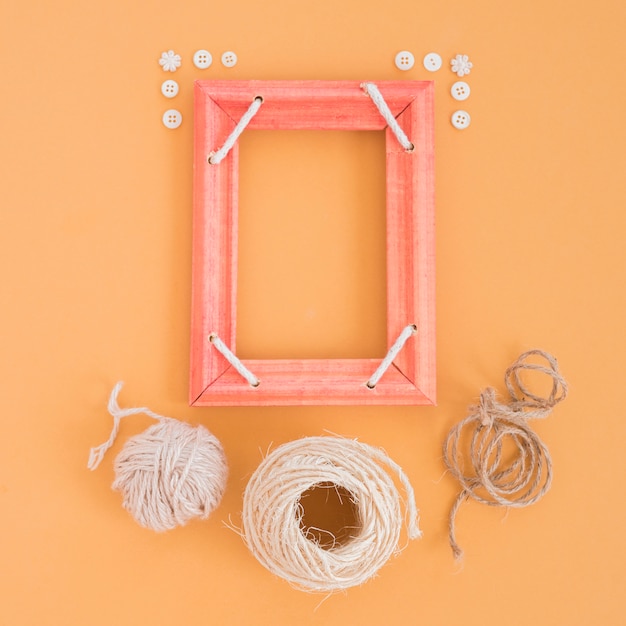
(487, 407)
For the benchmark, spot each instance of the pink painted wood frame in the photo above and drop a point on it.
(315, 105)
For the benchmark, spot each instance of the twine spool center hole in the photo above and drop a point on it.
(328, 515)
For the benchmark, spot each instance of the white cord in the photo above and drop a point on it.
(216, 157)
(411, 329)
(372, 91)
(233, 360)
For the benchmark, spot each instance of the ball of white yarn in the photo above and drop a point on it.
(272, 512)
(170, 474)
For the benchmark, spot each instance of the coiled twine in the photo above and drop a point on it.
(272, 512)
(169, 474)
(475, 450)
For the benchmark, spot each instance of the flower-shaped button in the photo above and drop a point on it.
(169, 61)
(461, 65)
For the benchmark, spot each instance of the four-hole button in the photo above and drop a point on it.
(229, 59)
(461, 119)
(460, 90)
(202, 59)
(172, 118)
(169, 88)
(405, 60)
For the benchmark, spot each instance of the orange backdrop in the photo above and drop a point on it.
(95, 275)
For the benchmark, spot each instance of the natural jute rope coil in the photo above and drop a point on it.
(273, 512)
(508, 464)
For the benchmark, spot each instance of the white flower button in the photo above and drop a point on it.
(202, 59)
(172, 118)
(460, 90)
(432, 62)
(404, 60)
(461, 65)
(169, 88)
(169, 61)
(229, 59)
(461, 119)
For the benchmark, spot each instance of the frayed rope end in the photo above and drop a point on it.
(457, 552)
(95, 457)
(414, 530)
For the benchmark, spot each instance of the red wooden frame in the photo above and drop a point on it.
(315, 105)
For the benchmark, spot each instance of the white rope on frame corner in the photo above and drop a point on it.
(230, 356)
(219, 155)
(407, 331)
(377, 98)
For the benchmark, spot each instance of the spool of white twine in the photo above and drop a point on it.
(273, 512)
(169, 474)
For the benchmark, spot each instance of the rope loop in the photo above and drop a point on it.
(523, 399)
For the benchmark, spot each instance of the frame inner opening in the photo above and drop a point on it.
(312, 245)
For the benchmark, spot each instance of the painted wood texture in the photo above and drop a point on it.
(314, 105)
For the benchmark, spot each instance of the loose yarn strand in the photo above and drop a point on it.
(230, 356)
(96, 454)
(407, 332)
(412, 511)
(528, 476)
(377, 98)
(219, 155)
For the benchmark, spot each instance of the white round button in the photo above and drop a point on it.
(169, 88)
(461, 119)
(172, 118)
(229, 59)
(432, 62)
(404, 60)
(460, 90)
(202, 59)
